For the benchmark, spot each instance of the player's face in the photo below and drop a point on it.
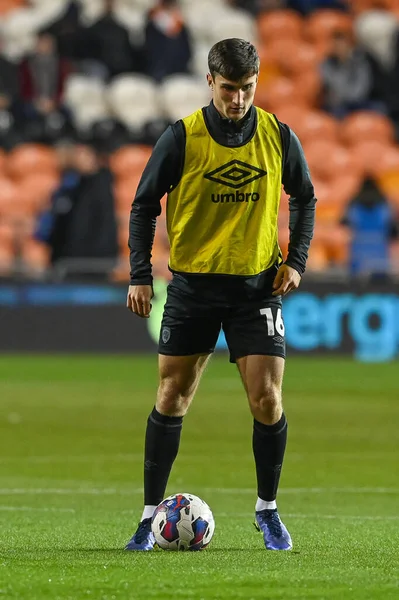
(233, 99)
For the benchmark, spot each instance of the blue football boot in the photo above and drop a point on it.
(275, 534)
(143, 539)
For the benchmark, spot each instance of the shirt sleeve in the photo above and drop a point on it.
(298, 185)
(162, 173)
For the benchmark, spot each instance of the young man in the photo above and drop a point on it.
(222, 168)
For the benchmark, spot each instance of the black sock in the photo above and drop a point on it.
(268, 444)
(161, 447)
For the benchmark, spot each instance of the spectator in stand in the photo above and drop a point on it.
(167, 47)
(67, 30)
(346, 77)
(255, 7)
(43, 76)
(52, 224)
(371, 221)
(85, 224)
(106, 47)
(308, 6)
(377, 32)
(9, 82)
(9, 96)
(393, 97)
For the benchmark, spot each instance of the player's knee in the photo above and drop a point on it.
(266, 405)
(174, 396)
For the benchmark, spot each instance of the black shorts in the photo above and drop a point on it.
(193, 318)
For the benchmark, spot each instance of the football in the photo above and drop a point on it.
(183, 522)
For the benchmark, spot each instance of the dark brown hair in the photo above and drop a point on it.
(233, 59)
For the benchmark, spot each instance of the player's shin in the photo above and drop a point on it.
(161, 447)
(268, 442)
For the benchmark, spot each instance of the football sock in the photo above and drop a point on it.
(263, 505)
(148, 512)
(161, 447)
(268, 444)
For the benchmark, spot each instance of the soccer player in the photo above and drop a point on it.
(222, 168)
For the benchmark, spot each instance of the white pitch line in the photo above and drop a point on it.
(32, 508)
(248, 515)
(316, 516)
(68, 491)
(63, 458)
(89, 491)
(309, 490)
(125, 457)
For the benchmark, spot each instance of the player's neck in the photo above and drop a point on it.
(225, 119)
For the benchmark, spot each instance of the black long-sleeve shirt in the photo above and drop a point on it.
(164, 171)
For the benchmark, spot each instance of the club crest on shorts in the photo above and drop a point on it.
(165, 335)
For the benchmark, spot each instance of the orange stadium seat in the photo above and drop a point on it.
(284, 209)
(159, 261)
(7, 6)
(36, 189)
(336, 245)
(327, 209)
(283, 239)
(333, 196)
(8, 194)
(3, 161)
(7, 248)
(292, 115)
(31, 159)
(328, 160)
(161, 232)
(122, 217)
(268, 68)
(389, 183)
(309, 124)
(7, 257)
(279, 92)
(125, 190)
(121, 272)
(308, 85)
(129, 159)
(279, 24)
(293, 57)
(35, 256)
(389, 160)
(7, 234)
(318, 258)
(358, 6)
(321, 24)
(368, 154)
(366, 125)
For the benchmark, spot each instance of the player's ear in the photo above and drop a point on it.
(209, 79)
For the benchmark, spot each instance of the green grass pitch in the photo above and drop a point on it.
(71, 437)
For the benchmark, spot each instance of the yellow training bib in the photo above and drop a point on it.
(222, 216)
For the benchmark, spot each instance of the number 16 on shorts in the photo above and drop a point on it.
(273, 325)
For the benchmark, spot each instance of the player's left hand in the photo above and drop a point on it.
(287, 279)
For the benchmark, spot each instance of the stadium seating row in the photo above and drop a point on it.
(133, 99)
(29, 174)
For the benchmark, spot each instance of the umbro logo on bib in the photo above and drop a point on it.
(235, 174)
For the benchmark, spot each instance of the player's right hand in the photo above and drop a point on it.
(139, 300)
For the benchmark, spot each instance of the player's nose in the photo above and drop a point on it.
(238, 99)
